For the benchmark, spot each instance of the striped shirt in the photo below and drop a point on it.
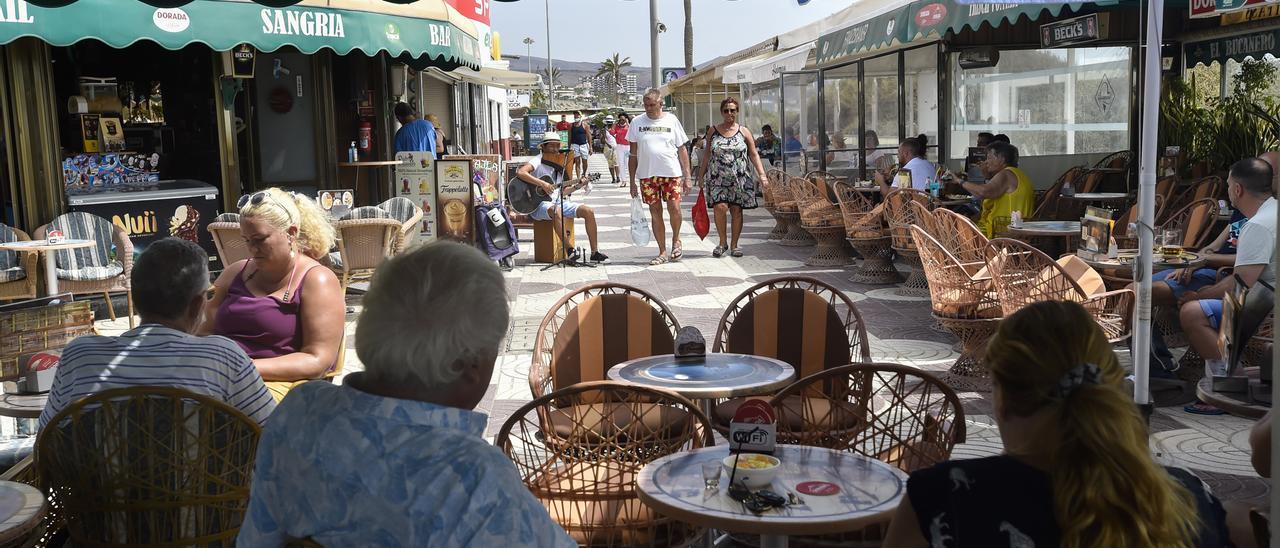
(154, 355)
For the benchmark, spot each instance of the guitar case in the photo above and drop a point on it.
(498, 240)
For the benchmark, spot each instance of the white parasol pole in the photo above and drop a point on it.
(1141, 346)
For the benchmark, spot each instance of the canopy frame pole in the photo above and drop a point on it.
(1141, 341)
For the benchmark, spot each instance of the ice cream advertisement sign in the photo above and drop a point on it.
(453, 196)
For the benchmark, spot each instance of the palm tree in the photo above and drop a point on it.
(688, 37)
(613, 67)
(550, 76)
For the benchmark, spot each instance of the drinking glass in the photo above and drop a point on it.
(711, 474)
(1171, 237)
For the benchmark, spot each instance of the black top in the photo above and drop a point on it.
(1001, 501)
(577, 134)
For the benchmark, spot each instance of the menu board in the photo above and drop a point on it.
(536, 127)
(337, 203)
(486, 172)
(453, 187)
(416, 180)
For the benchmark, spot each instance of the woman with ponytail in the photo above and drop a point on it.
(280, 305)
(1077, 470)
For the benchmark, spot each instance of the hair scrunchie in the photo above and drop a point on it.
(1085, 373)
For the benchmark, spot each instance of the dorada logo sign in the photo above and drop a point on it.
(171, 19)
(393, 32)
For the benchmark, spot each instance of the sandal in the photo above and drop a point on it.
(660, 259)
(718, 251)
(737, 252)
(677, 251)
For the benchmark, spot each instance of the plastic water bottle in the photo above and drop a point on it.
(933, 187)
(353, 153)
(1068, 189)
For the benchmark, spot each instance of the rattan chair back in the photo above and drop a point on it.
(1210, 187)
(1052, 206)
(897, 414)
(959, 236)
(923, 216)
(18, 270)
(1196, 221)
(797, 320)
(899, 216)
(1023, 275)
(229, 243)
(590, 330)
(1116, 160)
(862, 217)
(815, 208)
(149, 466)
(957, 288)
(363, 244)
(823, 181)
(581, 462)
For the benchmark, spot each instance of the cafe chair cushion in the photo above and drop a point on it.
(90, 263)
(593, 423)
(227, 218)
(793, 325)
(400, 208)
(604, 331)
(12, 274)
(11, 268)
(367, 212)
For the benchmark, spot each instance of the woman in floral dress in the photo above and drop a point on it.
(732, 169)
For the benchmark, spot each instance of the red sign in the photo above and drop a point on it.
(755, 412)
(818, 488)
(931, 15)
(475, 10)
(44, 360)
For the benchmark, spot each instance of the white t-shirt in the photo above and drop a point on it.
(921, 170)
(1257, 240)
(657, 144)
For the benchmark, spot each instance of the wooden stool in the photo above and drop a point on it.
(546, 241)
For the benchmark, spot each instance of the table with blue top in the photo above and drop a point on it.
(707, 378)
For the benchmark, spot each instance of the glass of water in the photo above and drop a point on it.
(711, 474)
(1171, 237)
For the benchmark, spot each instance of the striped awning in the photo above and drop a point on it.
(425, 33)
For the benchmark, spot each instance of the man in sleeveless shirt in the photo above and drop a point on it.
(1007, 189)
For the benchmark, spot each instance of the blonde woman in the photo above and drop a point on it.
(435, 121)
(1077, 469)
(281, 305)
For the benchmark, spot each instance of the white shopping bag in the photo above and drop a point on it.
(639, 224)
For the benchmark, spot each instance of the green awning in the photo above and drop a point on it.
(925, 18)
(1253, 44)
(224, 24)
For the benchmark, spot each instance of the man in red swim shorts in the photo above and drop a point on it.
(660, 159)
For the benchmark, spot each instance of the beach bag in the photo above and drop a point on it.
(701, 220)
(639, 224)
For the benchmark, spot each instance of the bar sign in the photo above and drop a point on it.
(1079, 30)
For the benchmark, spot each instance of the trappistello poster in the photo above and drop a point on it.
(486, 171)
(416, 180)
(453, 187)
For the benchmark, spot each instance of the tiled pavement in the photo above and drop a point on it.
(699, 288)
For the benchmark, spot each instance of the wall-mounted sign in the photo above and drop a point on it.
(1252, 14)
(1254, 44)
(242, 61)
(1213, 8)
(1080, 30)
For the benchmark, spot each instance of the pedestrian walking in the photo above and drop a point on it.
(661, 161)
(733, 170)
(611, 149)
(580, 144)
(624, 146)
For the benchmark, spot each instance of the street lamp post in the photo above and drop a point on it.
(653, 44)
(528, 52)
(551, 75)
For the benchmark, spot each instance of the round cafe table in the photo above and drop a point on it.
(1124, 269)
(23, 406)
(21, 507)
(47, 249)
(1051, 230)
(869, 492)
(707, 378)
(1099, 197)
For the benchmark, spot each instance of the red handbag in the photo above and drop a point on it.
(701, 220)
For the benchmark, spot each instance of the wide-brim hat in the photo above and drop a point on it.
(551, 136)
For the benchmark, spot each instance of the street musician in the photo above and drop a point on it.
(547, 171)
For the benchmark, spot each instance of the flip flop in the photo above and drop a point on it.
(677, 251)
(660, 259)
(718, 251)
(1203, 409)
(737, 252)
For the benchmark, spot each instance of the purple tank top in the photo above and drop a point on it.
(265, 327)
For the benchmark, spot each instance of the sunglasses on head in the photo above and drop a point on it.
(257, 198)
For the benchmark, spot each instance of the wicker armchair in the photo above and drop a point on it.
(964, 303)
(864, 228)
(823, 221)
(362, 245)
(787, 210)
(960, 237)
(1116, 160)
(1051, 206)
(225, 232)
(894, 413)
(794, 319)
(1023, 275)
(825, 182)
(772, 184)
(900, 216)
(589, 488)
(18, 271)
(96, 269)
(625, 323)
(1208, 188)
(409, 214)
(149, 466)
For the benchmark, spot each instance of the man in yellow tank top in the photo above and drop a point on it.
(1007, 189)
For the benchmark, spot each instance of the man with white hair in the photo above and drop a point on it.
(661, 161)
(395, 456)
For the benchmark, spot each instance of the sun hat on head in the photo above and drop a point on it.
(551, 136)
(608, 118)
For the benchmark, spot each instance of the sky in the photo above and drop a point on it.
(592, 30)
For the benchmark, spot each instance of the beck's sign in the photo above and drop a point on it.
(1079, 30)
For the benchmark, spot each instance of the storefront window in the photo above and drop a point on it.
(920, 80)
(1049, 102)
(761, 106)
(800, 122)
(880, 78)
(841, 112)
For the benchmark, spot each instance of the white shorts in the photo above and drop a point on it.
(581, 151)
(543, 213)
(623, 152)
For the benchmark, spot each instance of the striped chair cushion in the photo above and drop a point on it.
(90, 263)
(367, 212)
(604, 331)
(792, 325)
(401, 209)
(9, 259)
(227, 218)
